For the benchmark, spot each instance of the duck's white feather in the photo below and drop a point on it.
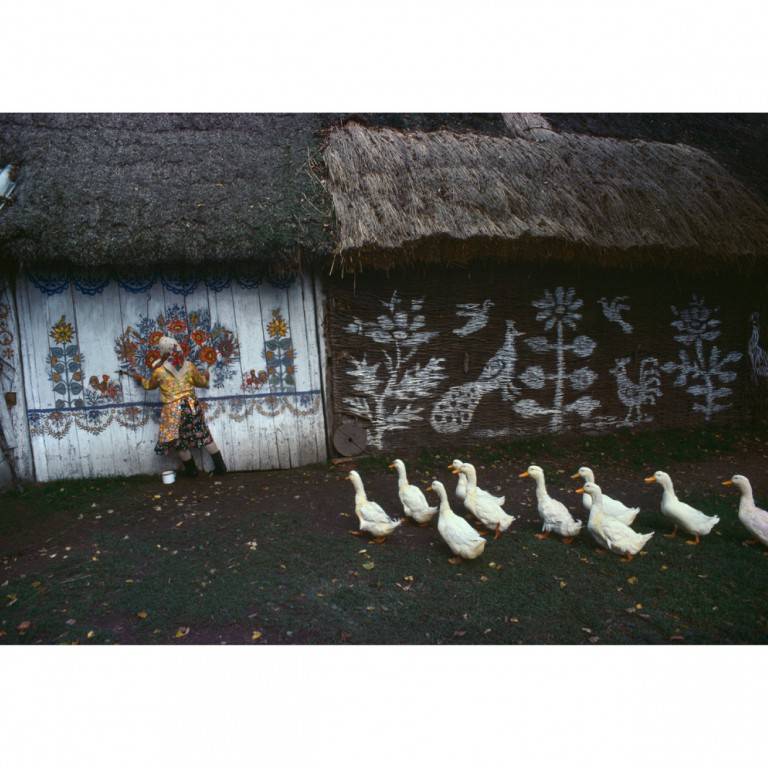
(462, 539)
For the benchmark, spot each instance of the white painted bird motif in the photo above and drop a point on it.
(757, 355)
(635, 395)
(612, 311)
(454, 411)
(477, 314)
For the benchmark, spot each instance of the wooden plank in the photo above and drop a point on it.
(12, 381)
(32, 366)
(302, 324)
(250, 323)
(239, 450)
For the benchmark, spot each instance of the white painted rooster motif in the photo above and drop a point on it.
(635, 395)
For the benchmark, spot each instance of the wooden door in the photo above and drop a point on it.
(264, 405)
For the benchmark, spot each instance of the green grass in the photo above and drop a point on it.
(71, 568)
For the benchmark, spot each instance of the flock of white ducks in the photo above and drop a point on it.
(609, 522)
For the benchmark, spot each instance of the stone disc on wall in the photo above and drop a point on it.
(350, 438)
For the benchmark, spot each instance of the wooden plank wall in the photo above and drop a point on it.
(112, 431)
(440, 356)
(11, 380)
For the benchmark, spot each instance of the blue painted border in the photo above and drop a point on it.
(158, 405)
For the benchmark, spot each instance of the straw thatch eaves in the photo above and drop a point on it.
(143, 189)
(449, 197)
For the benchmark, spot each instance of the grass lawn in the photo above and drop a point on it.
(268, 558)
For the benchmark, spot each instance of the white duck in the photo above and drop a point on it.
(487, 511)
(612, 507)
(754, 519)
(462, 539)
(372, 517)
(682, 514)
(461, 486)
(609, 532)
(554, 515)
(413, 500)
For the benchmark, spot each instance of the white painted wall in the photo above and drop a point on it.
(266, 429)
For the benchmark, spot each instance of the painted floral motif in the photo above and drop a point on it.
(204, 343)
(700, 369)
(280, 358)
(388, 391)
(7, 354)
(279, 376)
(559, 310)
(65, 362)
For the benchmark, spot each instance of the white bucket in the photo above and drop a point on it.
(169, 476)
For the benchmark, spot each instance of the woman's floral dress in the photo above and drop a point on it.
(182, 424)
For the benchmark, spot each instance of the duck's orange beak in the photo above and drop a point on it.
(576, 476)
(727, 482)
(454, 471)
(391, 466)
(523, 474)
(650, 479)
(580, 490)
(428, 488)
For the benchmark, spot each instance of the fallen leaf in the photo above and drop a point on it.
(677, 637)
(483, 578)
(255, 635)
(182, 632)
(632, 580)
(91, 634)
(24, 626)
(563, 584)
(142, 614)
(638, 606)
(460, 633)
(664, 568)
(368, 565)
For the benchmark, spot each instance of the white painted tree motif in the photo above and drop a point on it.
(477, 317)
(634, 395)
(390, 389)
(697, 324)
(758, 357)
(453, 412)
(612, 312)
(558, 310)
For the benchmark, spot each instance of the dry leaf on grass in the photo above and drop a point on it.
(142, 614)
(182, 632)
(255, 635)
(368, 565)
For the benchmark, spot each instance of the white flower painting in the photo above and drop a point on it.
(390, 393)
(559, 312)
(701, 367)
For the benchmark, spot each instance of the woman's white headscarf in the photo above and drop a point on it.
(167, 345)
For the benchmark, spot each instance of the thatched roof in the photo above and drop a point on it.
(104, 189)
(451, 196)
